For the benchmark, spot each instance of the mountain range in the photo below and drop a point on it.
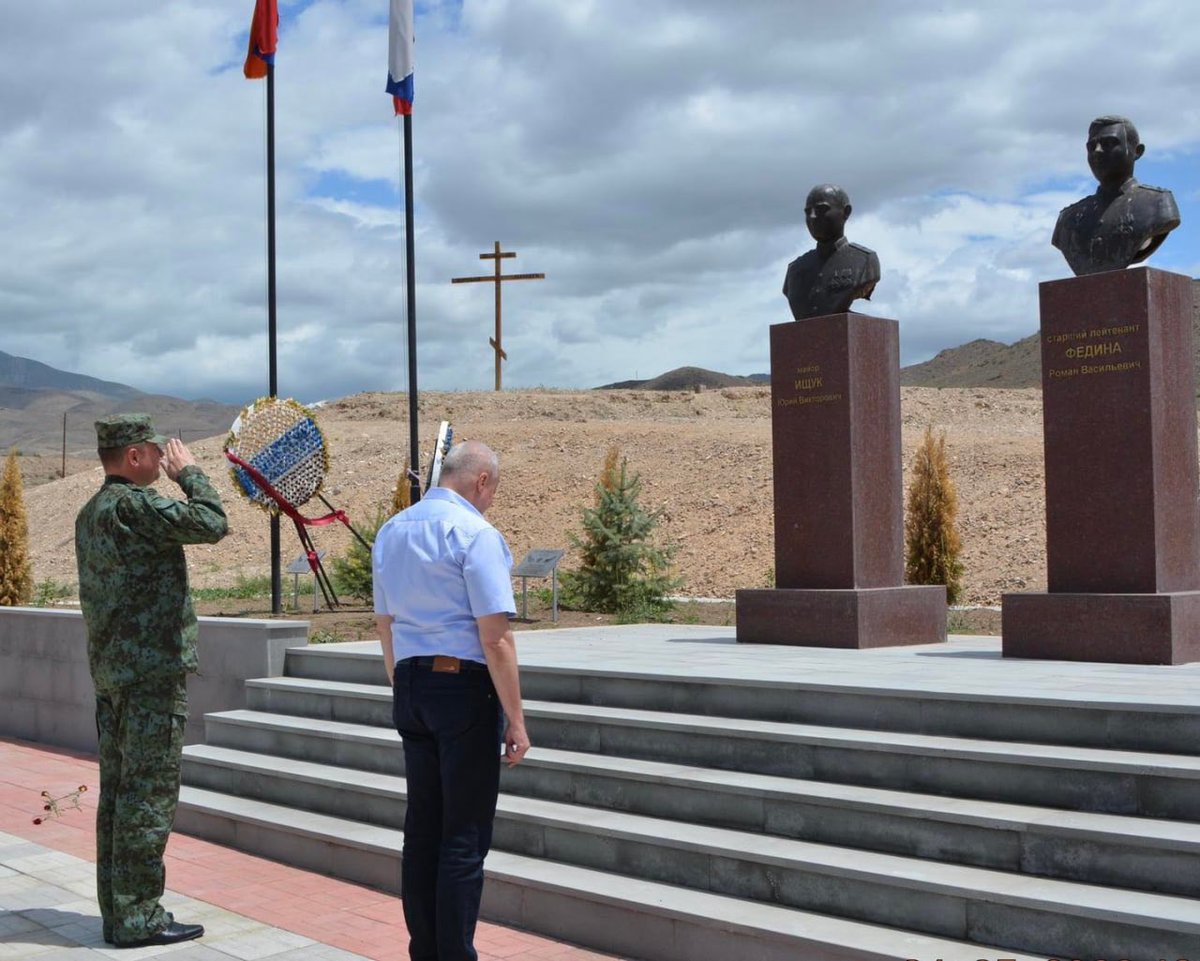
(37, 399)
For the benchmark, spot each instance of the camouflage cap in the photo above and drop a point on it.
(122, 430)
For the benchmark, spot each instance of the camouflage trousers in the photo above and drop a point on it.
(141, 740)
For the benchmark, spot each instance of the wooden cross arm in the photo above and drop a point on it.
(497, 348)
(505, 253)
(491, 278)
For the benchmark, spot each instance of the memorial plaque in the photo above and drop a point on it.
(1119, 418)
(538, 562)
(839, 521)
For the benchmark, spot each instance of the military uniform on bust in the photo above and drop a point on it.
(141, 645)
(817, 285)
(1124, 221)
(1110, 230)
(835, 273)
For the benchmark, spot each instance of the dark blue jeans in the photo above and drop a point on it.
(451, 728)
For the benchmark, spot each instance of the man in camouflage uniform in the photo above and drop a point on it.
(141, 645)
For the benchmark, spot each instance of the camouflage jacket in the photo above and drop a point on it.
(133, 577)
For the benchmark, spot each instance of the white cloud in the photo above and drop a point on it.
(651, 158)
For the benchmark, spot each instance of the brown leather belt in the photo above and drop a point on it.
(444, 664)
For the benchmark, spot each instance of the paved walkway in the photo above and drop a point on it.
(251, 908)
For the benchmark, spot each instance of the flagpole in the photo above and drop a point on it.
(414, 448)
(272, 367)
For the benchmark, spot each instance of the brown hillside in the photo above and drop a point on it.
(980, 363)
(705, 458)
(683, 378)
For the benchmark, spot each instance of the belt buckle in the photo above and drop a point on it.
(446, 665)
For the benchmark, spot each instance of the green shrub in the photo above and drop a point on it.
(245, 588)
(48, 591)
(352, 573)
(325, 635)
(622, 571)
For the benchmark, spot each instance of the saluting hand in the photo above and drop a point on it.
(176, 457)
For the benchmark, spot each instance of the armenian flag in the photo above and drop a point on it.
(264, 32)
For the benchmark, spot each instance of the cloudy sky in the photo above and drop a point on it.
(650, 156)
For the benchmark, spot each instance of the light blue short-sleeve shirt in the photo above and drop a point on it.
(436, 567)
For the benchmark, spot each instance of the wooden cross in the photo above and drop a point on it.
(496, 278)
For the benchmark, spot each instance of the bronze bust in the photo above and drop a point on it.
(1124, 221)
(835, 273)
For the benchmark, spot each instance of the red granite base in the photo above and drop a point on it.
(853, 618)
(1159, 628)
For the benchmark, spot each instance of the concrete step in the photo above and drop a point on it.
(333, 662)
(1071, 718)
(364, 747)
(322, 699)
(629, 917)
(1139, 853)
(1075, 778)
(883, 889)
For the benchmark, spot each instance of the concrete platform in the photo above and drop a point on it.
(965, 664)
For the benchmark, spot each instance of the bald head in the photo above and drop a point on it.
(826, 211)
(829, 192)
(472, 470)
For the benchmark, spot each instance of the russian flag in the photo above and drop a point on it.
(400, 56)
(264, 32)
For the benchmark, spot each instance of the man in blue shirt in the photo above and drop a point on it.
(443, 596)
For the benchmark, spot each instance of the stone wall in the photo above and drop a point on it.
(46, 693)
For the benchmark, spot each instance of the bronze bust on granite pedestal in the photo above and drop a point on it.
(835, 273)
(1124, 221)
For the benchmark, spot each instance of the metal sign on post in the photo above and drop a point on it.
(539, 562)
(301, 566)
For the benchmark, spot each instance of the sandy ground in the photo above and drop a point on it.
(704, 458)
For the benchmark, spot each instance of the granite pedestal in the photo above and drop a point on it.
(839, 521)
(1122, 524)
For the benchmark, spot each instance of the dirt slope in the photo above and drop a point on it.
(704, 458)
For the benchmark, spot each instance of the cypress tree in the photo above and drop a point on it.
(16, 574)
(932, 543)
(402, 495)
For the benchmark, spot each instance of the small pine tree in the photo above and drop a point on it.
(402, 495)
(622, 571)
(352, 573)
(932, 543)
(16, 573)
